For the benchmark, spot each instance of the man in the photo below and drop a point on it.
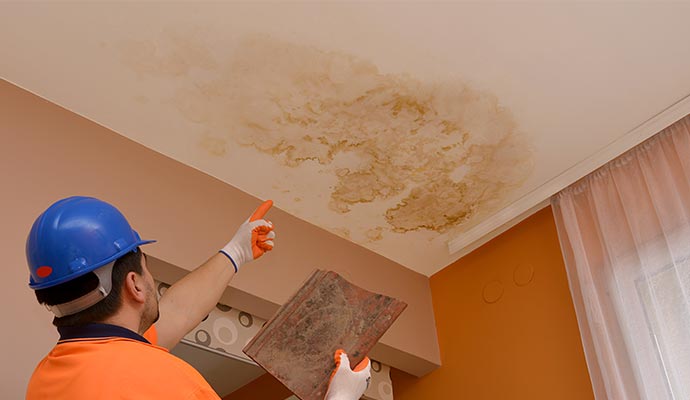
(86, 266)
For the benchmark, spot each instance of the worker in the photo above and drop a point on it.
(87, 267)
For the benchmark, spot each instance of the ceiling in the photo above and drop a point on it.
(417, 130)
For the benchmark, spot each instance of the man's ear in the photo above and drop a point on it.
(135, 287)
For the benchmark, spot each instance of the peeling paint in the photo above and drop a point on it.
(441, 151)
(375, 234)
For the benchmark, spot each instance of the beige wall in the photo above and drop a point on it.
(48, 152)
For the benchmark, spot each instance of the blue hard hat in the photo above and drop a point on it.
(75, 236)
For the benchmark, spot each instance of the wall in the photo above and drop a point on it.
(503, 335)
(47, 152)
(265, 387)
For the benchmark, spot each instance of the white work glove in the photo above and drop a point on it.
(253, 238)
(345, 383)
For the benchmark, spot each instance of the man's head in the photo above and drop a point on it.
(132, 286)
(71, 250)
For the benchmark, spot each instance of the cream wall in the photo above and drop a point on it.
(48, 152)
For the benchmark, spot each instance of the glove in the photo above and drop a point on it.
(345, 383)
(253, 238)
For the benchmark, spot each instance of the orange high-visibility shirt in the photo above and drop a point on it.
(100, 361)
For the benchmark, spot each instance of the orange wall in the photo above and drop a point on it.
(265, 387)
(526, 344)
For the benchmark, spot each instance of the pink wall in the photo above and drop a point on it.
(48, 152)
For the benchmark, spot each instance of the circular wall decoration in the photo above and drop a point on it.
(225, 331)
(202, 337)
(246, 319)
(376, 366)
(493, 291)
(223, 307)
(385, 390)
(162, 287)
(523, 274)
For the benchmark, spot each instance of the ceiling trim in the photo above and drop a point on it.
(539, 198)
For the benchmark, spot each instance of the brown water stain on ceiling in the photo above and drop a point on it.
(442, 151)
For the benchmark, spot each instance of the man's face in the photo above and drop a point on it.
(151, 312)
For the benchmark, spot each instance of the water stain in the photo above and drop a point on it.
(374, 234)
(175, 54)
(342, 232)
(214, 146)
(442, 152)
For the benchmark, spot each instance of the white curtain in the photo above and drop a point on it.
(625, 235)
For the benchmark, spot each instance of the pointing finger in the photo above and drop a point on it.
(261, 211)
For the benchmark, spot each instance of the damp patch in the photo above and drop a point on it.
(440, 152)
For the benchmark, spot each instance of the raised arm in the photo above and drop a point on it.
(186, 303)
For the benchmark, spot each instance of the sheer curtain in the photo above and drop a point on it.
(625, 235)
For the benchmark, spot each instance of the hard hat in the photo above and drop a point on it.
(75, 236)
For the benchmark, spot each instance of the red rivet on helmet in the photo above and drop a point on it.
(44, 271)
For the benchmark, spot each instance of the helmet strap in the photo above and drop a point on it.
(105, 284)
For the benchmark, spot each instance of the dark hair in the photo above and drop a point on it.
(68, 291)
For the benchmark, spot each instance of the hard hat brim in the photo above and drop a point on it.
(69, 277)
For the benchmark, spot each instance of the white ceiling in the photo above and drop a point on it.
(409, 128)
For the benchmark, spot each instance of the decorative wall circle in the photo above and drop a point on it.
(493, 291)
(162, 287)
(376, 366)
(225, 331)
(202, 337)
(523, 274)
(246, 319)
(385, 390)
(223, 307)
